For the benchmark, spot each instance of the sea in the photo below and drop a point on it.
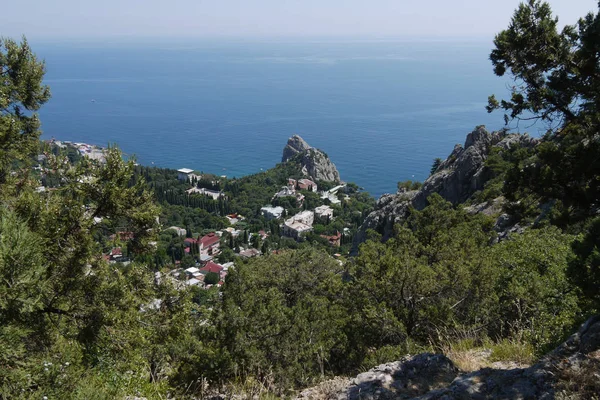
(381, 109)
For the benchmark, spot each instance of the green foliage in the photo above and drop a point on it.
(536, 301)
(282, 315)
(409, 185)
(431, 274)
(511, 350)
(436, 164)
(584, 267)
(212, 278)
(21, 95)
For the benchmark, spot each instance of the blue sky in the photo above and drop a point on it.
(47, 19)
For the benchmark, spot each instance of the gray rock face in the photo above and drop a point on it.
(434, 377)
(456, 180)
(295, 145)
(315, 164)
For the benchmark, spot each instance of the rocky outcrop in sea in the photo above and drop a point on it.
(315, 164)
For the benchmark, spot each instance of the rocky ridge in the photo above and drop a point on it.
(315, 164)
(435, 377)
(456, 179)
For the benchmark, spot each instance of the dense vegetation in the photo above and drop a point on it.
(74, 326)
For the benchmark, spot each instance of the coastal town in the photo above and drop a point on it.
(207, 271)
(201, 257)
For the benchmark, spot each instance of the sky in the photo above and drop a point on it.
(50, 19)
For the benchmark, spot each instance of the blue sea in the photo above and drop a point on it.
(381, 110)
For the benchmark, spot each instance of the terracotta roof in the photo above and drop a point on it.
(210, 240)
(211, 267)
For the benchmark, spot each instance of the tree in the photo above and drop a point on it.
(540, 60)
(432, 274)
(281, 317)
(212, 278)
(59, 300)
(584, 267)
(21, 94)
(536, 300)
(556, 80)
(436, 164)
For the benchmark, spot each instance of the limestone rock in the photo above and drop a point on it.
(315, 164)
(456, 179)
(295, 145)
(434, 377)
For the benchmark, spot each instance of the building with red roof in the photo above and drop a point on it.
(209, 244)
(211, 267)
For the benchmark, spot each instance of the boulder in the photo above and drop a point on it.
(434, 377)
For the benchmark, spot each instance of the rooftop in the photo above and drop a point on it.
(185, 170)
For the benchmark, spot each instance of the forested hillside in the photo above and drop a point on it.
(96, 301)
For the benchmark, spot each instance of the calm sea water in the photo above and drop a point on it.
(381, 110)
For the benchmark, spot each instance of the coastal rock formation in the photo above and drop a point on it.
(456, 179)
(295, 145)
(435, 377)
(315, 164)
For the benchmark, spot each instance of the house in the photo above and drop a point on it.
(270, 212)
(184, 174)
(249, 253)
(285, 192)
(209, 244)
(180, 231)
(190, 242)
(193, 282)
(306, 217)
(207, 192)
(211, 267)
(307, 184)
(228, 265)
(204, 258)
(296, 229)
(332, 197)
(299, 224)
(324, 212)
(192, 271)
(234, 218)
(115, 254)
(335, 240)
(233, 232)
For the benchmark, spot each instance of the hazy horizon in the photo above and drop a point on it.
(41, 20)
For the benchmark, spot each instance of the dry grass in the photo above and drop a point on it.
(470, 352)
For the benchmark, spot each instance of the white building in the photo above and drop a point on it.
(295, 229)
(184, 174)
(180, 231)
(305, 217)
(324, 212)
(285, 192)
(208, 192)
(270, 212)
(299, 224)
